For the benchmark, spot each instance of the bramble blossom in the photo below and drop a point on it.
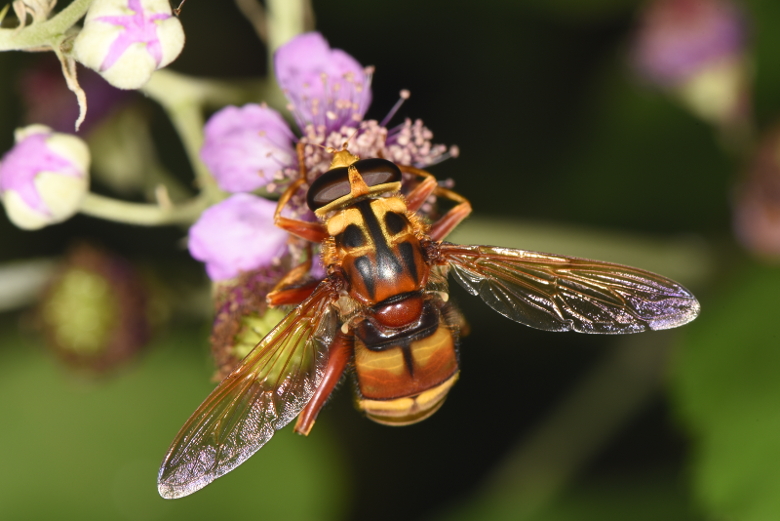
(244, 146)
(236, 235)
(242, 316)
(251, 147)
(94, 310)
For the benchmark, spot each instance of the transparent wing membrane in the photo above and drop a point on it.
(269, 389)
(558, 293)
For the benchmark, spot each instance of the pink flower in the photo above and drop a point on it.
(237, 235)
(695, 50)
(329, 92)
(251, 148)
(248, 147)
(326, 87)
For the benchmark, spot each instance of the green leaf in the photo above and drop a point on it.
(726, 384)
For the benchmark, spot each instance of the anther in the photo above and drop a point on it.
(403, 96)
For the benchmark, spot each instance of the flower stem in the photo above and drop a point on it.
(181, 97)
(143, 214)
(254, 11)
(44, 34)
(286, 20)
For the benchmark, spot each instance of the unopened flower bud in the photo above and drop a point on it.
(236, 235)
(696, 50)
(44, 177)
(127, 40)
(94, 313)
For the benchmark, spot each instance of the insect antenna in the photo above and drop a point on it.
(342, 156)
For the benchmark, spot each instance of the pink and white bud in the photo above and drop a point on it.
(44, 177)
(696, 49)
(127, 40)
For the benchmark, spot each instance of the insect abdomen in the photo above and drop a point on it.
(404, 378)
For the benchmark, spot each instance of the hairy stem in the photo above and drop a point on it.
(44, 34)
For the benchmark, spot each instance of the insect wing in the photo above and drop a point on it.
(270, 388)
(558, 293)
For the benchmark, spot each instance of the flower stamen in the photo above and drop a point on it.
(402, 96)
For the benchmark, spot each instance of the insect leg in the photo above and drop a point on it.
(428, 187)
(294, 287)
(417, 197)
(447, 222)
(291, 295)
(339, 354)
(311, 231)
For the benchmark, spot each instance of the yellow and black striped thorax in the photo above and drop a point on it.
(376, 244)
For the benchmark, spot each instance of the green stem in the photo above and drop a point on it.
(44, 34)
(286, 19)
(181, 97)
(143, 214)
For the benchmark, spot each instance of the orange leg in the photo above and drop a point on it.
(291, 295)
(340, 353)
(417, 197)
(420, 194)
(294, 287)
(311, 231)
(450, 220)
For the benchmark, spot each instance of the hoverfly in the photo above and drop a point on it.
(383, 309)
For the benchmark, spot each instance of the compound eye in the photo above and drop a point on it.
(328, 187)
(378, 171)
(334, 183)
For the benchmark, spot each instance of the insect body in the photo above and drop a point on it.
(383, 308)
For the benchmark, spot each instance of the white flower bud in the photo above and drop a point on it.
(44, 178)
(127, 40)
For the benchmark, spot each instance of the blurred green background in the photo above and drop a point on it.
(562, 149)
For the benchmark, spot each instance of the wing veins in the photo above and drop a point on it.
(269, 388)
(566, 293)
